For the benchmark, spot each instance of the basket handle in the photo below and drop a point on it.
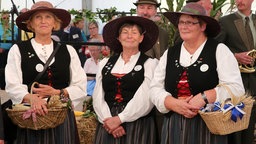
(230, 93)
(31, 91)
(227, 89)
(32, 86)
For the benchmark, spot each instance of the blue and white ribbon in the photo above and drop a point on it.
(217, 107)
(236, 111)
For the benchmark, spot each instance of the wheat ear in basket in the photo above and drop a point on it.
(220, 122)
(57, 112)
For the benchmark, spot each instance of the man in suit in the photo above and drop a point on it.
(234, 35)
(148, 9)
(72, 35)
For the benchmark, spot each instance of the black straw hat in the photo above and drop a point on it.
(111, 30)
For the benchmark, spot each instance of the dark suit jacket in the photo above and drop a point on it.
(234, 36)
(233, 33)
(71, 37)
(74, 35)
(160, 46)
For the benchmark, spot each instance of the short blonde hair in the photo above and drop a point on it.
(56, 27)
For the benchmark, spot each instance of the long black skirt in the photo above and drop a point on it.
(141, 131)
(65, 133)
(180, 130)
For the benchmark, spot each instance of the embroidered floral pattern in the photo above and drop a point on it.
(118, 96)
(199, 61)
(108, 66)
(183, 85)
(49, 74)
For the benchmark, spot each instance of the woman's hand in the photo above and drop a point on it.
(197, 100)
(181, 106)
(45, 91)
(37, 103)
(1, 141)
(118, 132)
(111, 123)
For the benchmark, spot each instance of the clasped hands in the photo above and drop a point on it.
(113, 126)
(188, 107)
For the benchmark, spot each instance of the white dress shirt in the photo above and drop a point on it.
(90, 66)
(16, 90)
(140, 105)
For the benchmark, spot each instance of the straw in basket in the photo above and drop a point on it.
(220, 122)
(54, 117)
(86, 128)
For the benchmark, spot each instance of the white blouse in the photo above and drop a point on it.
(16, 90)
(227, 69)
(140, 105)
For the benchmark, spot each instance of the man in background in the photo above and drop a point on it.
(241, 38)
(148, 9)
(78, 22)
(72, 35)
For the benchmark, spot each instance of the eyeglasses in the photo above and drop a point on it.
(187, 23)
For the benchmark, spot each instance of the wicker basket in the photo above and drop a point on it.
(220, 123)
(54, 117)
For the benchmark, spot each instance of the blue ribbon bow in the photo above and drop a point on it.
(217, 107)
(236, 111)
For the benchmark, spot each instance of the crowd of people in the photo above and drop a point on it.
(145, 91)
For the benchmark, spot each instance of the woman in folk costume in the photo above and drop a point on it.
(187, 78)
(64, 76)
(121, 95)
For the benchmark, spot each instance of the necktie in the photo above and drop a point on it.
(249, 33)
(83, 36)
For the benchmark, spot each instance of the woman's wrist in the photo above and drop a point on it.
(27, 98)
(63, 93)
(204, 97)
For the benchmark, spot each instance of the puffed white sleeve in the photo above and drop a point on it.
(78, 79)
(140, 105)
(13, 76)
(157, 90)
(100, 106)
(229, 73)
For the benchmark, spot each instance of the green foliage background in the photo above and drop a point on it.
(106, 15)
